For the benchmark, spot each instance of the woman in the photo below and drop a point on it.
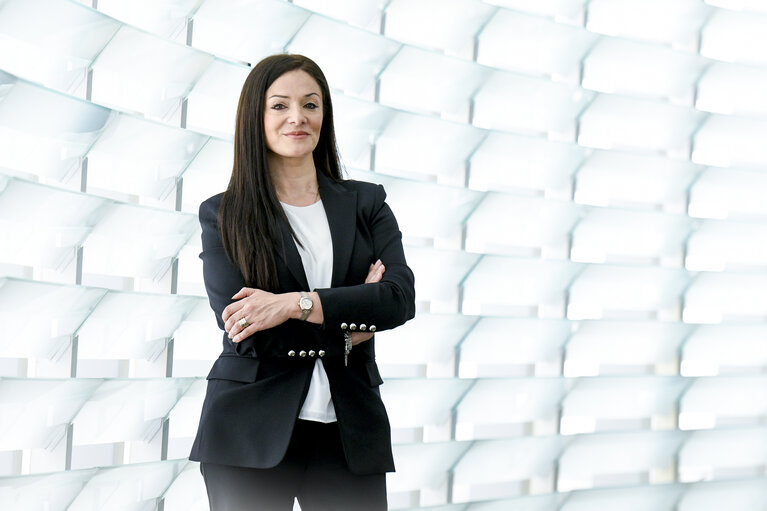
(300, 267)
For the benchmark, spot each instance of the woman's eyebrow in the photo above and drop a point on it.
(287, 97)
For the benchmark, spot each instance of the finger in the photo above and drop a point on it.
(238, 336)
(234, 327)
(230, 326)
(370, 276)
(378, 274)
(242, 293)
(244, 334)
(231, 309)
(358, 337)
(233, 318)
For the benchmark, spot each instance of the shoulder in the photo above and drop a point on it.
(208, 216)
(210, 205)
(368, 194)
(358, 186)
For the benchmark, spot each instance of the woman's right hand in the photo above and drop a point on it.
(375, 273)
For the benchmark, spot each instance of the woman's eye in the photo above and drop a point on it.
(312, 106)
(278, 106)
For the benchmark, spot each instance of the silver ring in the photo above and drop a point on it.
(243, 322)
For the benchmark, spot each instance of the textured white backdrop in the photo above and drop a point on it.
(580, 185)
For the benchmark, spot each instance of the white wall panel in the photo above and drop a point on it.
(580, 187)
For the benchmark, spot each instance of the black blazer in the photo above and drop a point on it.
(256, 388)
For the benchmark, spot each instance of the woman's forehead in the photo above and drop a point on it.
(294, 83)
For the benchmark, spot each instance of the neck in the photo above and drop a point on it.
(295, 180)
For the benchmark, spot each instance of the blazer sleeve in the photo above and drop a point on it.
(222, 279)
(385, 304)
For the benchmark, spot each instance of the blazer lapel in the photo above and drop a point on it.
(291, 256)
(341, 209)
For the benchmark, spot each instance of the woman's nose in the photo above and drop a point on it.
(296, 116)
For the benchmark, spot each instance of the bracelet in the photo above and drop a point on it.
(347, 343)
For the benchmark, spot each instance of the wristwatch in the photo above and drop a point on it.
(306, 304)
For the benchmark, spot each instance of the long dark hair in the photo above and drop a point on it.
(250, 214)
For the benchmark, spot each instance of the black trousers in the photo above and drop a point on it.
(314, 470)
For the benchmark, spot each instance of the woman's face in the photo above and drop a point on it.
(293, 115)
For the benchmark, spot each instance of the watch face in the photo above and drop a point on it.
(305, 303)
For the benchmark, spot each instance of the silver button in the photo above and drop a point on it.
(312, 353)
(292, 353)
(322, 353)
(363, 327)
(302, 353)
(344, 326)
(372, 328)
(352, 327)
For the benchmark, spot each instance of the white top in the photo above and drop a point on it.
(310, 225)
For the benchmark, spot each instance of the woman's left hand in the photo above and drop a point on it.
(375, 273)
(261, 309)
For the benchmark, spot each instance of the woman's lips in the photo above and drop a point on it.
(297, 134)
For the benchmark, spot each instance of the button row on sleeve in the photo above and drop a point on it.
(353, 326)
(303, 353)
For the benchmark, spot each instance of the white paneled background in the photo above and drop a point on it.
(581, 187)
